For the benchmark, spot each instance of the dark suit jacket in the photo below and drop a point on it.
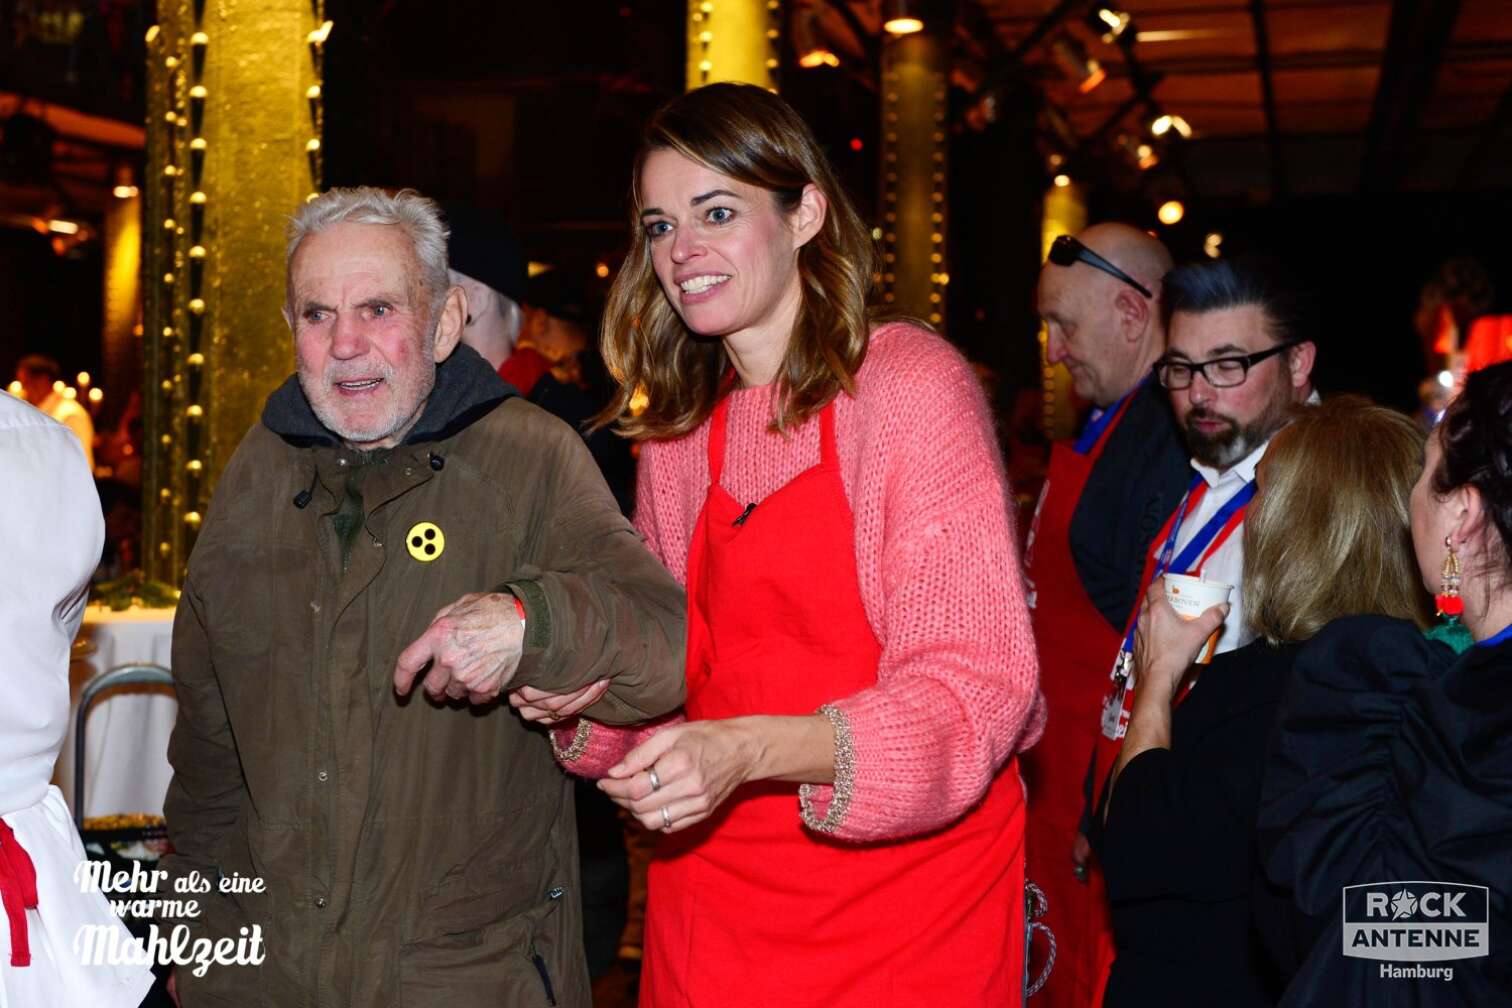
(1134, 486)
(1178, 848)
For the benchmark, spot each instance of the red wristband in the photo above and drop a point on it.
(519, 607)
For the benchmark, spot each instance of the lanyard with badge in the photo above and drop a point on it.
(1119, 702)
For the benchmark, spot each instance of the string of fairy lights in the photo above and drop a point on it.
(177, 301)
(316, 41)
(938, 276)
(711, 22)
(774, 41)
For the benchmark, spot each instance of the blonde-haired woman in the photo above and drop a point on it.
(844, 822)
(1326, 536)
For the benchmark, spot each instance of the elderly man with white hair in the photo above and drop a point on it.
(398, 518)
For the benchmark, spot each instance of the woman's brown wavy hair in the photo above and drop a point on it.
(754, 137)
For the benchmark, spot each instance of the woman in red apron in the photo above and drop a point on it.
(842, 809)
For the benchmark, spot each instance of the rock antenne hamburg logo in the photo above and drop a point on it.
(1416, 921)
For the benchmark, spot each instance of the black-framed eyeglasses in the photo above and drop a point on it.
(1220, 372)
(1067, 250)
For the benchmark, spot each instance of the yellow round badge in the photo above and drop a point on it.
(425, 541)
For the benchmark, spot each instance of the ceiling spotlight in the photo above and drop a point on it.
(1109, 23)
(1165, 123)
(1061, 181)
(812, 52)
(1212, 245)
(818, 58)
(899, 18)
(1171, 212)
(1075, 64)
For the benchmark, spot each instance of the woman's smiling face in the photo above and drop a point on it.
(725, 253)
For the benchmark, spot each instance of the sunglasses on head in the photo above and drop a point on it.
(1066, 251)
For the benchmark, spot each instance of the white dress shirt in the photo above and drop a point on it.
(50, 536)
(1226, 563)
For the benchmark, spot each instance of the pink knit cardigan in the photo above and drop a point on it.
(957, 689)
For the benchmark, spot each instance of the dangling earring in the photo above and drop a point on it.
(1449, 630)
(1450, 605)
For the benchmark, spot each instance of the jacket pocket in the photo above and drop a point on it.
(508, 962)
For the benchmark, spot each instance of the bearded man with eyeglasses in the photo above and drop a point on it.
(1239, 359)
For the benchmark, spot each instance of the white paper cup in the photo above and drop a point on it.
(1191, 596)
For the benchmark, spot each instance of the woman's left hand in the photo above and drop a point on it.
(1166, 645)
(696, 765)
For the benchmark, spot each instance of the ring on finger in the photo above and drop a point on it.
(666, 818)
(655, 781)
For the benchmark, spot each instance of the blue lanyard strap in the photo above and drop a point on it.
(1199, 542)
(1101, 418)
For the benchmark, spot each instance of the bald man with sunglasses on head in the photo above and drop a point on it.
(1105, 497)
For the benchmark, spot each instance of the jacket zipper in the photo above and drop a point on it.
(539, 961)
(540, 965)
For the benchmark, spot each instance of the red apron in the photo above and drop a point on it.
(748, 908)
(1076, 650)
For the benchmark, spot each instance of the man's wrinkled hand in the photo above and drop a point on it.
(471, 650)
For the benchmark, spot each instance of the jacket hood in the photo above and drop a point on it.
(466, 389)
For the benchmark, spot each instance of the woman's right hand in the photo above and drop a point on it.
(551, 708)
(1166, 645)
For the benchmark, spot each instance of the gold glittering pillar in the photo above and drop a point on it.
(1065, 213)
(734, 40)
(915, 210)
(233, 147)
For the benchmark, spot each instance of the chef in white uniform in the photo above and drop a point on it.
(50, 537)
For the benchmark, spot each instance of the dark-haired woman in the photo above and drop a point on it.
(843, 815)
(1393, 762)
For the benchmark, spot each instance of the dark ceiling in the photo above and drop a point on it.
(1285, 97)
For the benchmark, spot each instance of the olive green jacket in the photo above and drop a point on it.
(414, 853)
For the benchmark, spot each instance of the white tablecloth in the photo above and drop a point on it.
(126, 735)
